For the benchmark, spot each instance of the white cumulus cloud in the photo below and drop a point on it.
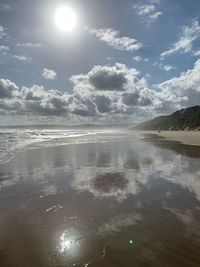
(49, 74)
(2, 32)
(31, 45)
(184, 89)
(4, 48)
(187, 36)
(149, 12)
(106, 93)
(22, 57)
(112, 38)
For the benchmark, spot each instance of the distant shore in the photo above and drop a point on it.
(186, 137)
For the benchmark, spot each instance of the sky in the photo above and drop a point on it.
(124, 62)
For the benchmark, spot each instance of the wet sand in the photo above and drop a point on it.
(185, 137)
(123, 203)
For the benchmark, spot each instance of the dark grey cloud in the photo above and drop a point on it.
(14, 105)
(104, 78)
(147, 97)
(34, 93)
(131, 99)
(85, 107)
(108, 80)
(40, 101)
(43, 108)
(103, 103)
(82, 112)
(7, 89)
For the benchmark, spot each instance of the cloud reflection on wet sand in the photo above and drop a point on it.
(133, 198)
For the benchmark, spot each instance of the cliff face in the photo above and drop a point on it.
(184, 119)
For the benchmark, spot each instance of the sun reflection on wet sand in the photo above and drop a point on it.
(69, 246)
(65, 244)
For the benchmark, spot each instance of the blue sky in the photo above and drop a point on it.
(150, 42)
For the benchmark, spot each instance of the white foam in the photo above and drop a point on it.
(19, 139)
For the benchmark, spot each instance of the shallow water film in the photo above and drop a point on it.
(118, 200)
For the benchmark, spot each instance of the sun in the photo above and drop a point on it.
(65, 19)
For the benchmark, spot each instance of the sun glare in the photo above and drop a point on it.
(65, 19)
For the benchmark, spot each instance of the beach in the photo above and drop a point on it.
(110, 200)
(185, 137)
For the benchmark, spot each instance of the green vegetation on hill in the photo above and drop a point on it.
(184, 119)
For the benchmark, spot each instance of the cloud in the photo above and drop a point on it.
(168, 67)
(2, 32)
(130, 98)
(126, 95)
(12, 106)
(104, 78)
(39, 101)
(148, 12)
(100, 93)
(183, 90)
(8, 89)
(197, 53)
(186, 81)
(35, 100)
(144, 9)
(22, 58)
(31, 45)
(84, 107)
(139, 59)
(113, 38)
(108, 80)
(6, 7)
(49, 74)
(144, 97)
(114, 90)
(165, 67)
(184, 45)
(4, 48)
(35, 93)
(103, 103)
(155, 2)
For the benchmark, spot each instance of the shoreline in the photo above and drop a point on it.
(185, 137)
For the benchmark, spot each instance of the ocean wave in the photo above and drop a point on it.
(20, 139)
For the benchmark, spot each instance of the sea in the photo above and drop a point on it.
(19, 138)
